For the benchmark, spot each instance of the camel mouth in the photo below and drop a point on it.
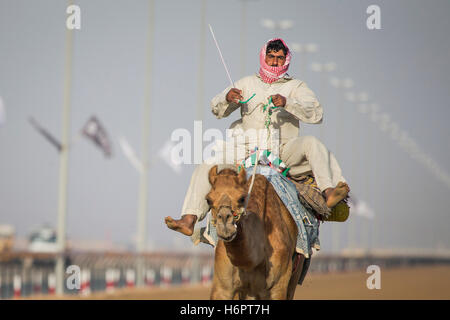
(226, 232)
(229, 238)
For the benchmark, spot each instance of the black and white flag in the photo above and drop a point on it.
(45, 133)
(94, 131)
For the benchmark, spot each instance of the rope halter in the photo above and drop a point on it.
(237, 214)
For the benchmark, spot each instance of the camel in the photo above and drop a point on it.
(253, 255)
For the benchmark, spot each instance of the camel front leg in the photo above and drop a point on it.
(279, 290)
(220, 292)
(222, 288)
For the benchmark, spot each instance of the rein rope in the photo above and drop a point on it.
(267, 123)
(269, 110)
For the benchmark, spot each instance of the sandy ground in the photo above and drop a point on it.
(410, 283)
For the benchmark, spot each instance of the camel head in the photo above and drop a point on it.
(226, 200)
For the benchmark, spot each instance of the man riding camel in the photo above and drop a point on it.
(295, 102)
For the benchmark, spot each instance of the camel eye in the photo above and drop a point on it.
(210, 203)
(241, 200)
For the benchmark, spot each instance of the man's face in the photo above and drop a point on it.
(275, 58)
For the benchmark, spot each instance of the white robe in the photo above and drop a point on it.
(302, 154)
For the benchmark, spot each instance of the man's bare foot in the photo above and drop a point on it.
(185, 225)
(334, 195)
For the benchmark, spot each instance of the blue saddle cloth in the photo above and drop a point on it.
(307, 223)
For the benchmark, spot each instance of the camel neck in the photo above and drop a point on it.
(247, 249)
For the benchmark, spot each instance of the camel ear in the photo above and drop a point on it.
(212, 175)
(242, 176)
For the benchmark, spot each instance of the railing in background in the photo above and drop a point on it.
(26, 274)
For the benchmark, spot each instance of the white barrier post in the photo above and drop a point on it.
(166, 273)
(51, 281)
(17, 285)
(85, 282)
(185, 275)
(206, 275)
(110, 277)
(130, 278)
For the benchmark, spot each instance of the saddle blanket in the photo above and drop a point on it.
(307, 223)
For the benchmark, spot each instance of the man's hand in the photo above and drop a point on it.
(234, 95)
(278, 100)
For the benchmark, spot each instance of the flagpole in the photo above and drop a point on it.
(243, 36)
(335, 234)
(143, 189)
(201, 66)
(64, 164)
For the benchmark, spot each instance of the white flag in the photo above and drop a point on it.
(130, 154)
(166, 154)
(361, 208)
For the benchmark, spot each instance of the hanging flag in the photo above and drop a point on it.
(360, 208)
(166, 154)
(45, 133)
(2, 112)
(94, 131)
(130, 154)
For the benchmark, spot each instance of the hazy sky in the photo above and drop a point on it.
(403, 68)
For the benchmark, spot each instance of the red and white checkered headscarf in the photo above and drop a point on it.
(271, 74)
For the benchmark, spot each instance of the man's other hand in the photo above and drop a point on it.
(234, 95)
(278, 100)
